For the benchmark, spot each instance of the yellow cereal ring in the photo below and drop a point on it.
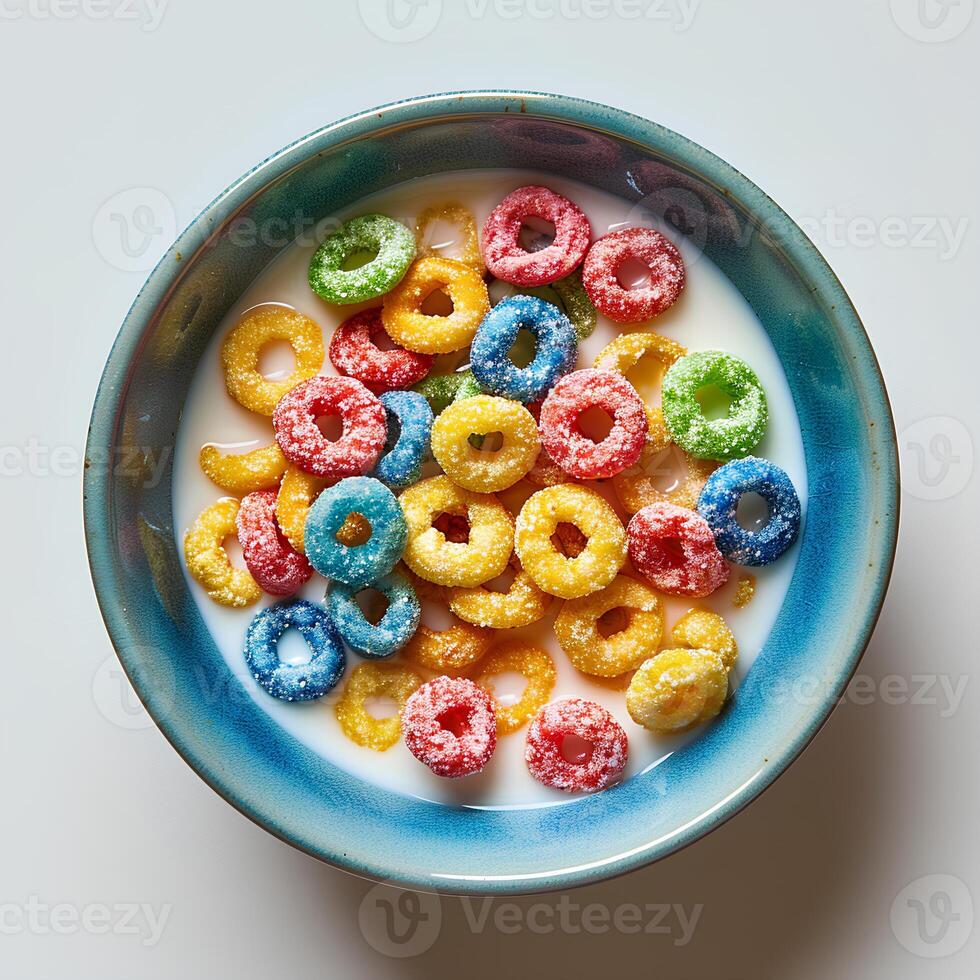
(453, 214)
(242, 347)
(522, 604)
(703, 630)
(535, 666)
(476, 469)
(599, 561)
(242, 473)
(407, 325)
(450, 651)
(677, 689)
(628, 348)
(578, 633)
(296, 494)
(466, 564)
(369, 680)
(207, 560)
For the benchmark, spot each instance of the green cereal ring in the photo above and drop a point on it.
(573, 301)
(723, 439)
(444, 389)
(392, 244)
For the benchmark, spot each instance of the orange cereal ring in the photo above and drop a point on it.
(407, 325)
(579, 635)
(703, 630)
(677, 689)
(454, 214)
(638, 486)
(242, 347)
(537, 669)
(296, 494)
(450, 651)
(485, 553)
(628, 349)
(521, 605)
(369, 680)
(243, 473)
(604, 553)
(207, 560)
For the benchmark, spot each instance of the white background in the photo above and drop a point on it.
(859, 118)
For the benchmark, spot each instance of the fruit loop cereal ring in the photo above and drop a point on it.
(521, 605)
(508, 260)
(474, 469)
(485, 553)
(372, 680)
(628, 349)
(577, 628)
(392, 244)
(207, 560)
(677, 689)
(537, 669)
(294, 682)
(357, 565)
(442, 390)
(409, 429)
(570, 297)
(595, 766)
(242, 347)
(453, 214)
(608, 255)
(703, 630)
(449, 726)
(555, 348)
(353, 351)
(569, 447)
(395, 627)
(449, 651)
(241, 473)
(364, 427)
(638, 486)
(297, 492)
(406, 323)
(277, 568)
(674, 548)
(718, 504)
(721, 439)
(604, 552)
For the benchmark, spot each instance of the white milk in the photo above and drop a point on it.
(710, 314)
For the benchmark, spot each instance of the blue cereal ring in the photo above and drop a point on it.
(409, 427)
(718, 503)
(294, 682)
(555, 348)
(396, 627)
(356, 565)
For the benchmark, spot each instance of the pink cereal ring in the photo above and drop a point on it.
(301, 441)
(606, 258)
(675, 549)
(354, 351)
(450, 725)
(565, 442)
(268, 556)
(502, 251)
(576, 746)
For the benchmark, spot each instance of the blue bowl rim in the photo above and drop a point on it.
(588, 115)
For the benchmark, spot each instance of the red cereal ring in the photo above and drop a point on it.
(301, 441)
(450, 725)
(502, 251)
(354, 351)
(576, 746)
(575, 452)
(607, 256)
(268, 556)
(675, 549)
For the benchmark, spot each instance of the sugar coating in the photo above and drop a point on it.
(521, 605)
(628, 349)
(296, 494)
(446, 753)
(274, 564)
(454, 214)
(241, 473)
(607, 256)
(537, 669)
(744, 591)
(409, 421)
(450, 651)
(588, 721)
(570, 297)
(393, 244)
(677, 689)
(502, 251)
(207, 560)
(374, 679)
(392, 632)
(443, 389)
(700, 629)
(656, 531)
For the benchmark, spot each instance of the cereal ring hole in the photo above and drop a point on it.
(752, 511)
(456, 720)
(536, 233)
(595, 423)
(568, 540)
(358, 259)
(380, 706)
(667, 470)
(355, 531)
(524, 349)
(490, 443)
(331, 426)
(633, 273)
(373, 604)
(715, 403)
(292, 649)
(437, 303)
(454, 527)
(233, 549)
(277, 360)
(613, 621)
(576, 750)
(508, 687)
(647, 376)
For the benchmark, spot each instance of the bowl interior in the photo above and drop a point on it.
(845, 553)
